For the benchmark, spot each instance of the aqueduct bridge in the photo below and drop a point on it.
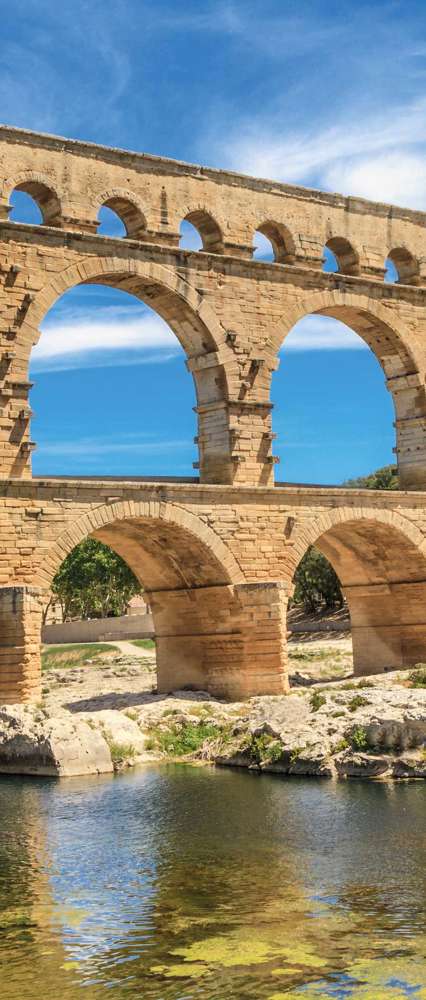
(217, 554)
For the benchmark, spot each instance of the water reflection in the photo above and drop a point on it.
(177, 883)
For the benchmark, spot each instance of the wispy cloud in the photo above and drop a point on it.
(320, 333)
(109, 335)
(88, 448)
(380, 156)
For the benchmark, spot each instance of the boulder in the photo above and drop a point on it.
(63, 746)
(116, 727)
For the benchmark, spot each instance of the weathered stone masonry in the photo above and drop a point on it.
(217, 556)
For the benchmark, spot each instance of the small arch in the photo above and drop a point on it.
(127, 210)
(207, 229)
(44, 197)
(340, 256)
(401, 266)
(280, 241)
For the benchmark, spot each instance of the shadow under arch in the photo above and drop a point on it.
(387, 339)
(189, 576)
(380, 559)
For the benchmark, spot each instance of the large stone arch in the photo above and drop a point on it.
(202, 608)
(95, 521)
(380, 559)
(401, 358)
(210, 360)
(159, 287)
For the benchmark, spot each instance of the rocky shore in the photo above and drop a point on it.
(97, 719)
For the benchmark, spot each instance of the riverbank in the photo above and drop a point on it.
(103, 716)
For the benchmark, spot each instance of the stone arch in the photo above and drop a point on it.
(129, 209)
(346, 256)
(211, 361)
(39, 187)
(401, 360)
(162, 513)
(406, 264)
(194, 324)
(380, 559)
(281, 240)
(208, 228)
(310, 531)
(191, 580)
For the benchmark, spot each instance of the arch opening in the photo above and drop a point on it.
(200, 231)
(185, 579)
(119, 217)
(402, 267)
(112, 395)
(378, 564)
(340, 256)
(34, 203)
(315, 384)
(333, 416)
(272, 241)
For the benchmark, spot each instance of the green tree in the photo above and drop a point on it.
(382, 479)
(94, 582)
(316, 583)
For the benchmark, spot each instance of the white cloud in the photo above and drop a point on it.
(321, 333)
(380, 158)
(79, 340)
(399, 178)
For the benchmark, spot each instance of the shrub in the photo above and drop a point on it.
(317, 699)
(357, 702)
(417, 677)
(264, 748)
(359, 739)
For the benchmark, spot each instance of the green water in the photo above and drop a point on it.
(177, 883)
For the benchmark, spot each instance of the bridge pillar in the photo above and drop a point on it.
(228, 640)
(388, 625)
(20, 629)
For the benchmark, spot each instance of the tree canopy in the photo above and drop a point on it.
(94, 582)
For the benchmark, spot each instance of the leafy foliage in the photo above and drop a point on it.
(382, 479)
(94, 582)
(316, 583)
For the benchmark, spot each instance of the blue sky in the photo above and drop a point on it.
(329, 95)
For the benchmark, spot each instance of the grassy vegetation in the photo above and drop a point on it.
(341, 745)
(312, 655)
(357, 702)
(75, 654)
(183, 739)
(143, 643)
(121, 753)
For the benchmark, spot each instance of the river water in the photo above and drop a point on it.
(180, 883)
